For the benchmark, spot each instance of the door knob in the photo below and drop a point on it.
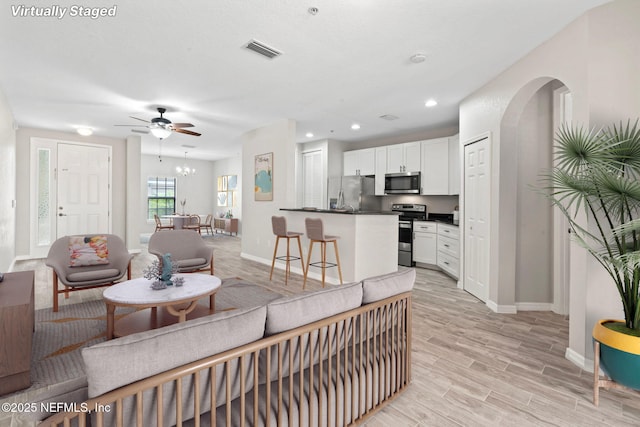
(62, 214)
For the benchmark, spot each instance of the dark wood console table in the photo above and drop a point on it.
(17, 321)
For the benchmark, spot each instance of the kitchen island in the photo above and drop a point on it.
(368, 242)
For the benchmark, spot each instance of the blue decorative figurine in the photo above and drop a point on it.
(166, 270)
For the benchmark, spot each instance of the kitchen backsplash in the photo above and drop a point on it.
(439, 204)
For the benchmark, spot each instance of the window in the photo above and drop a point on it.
(161, 196)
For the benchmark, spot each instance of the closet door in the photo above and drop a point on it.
(477, 196)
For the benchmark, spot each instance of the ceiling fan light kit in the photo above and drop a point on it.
(160, 132)
(162, 127)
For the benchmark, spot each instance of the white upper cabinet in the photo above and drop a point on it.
(359, 162)
(435, 166)
(441, 166)
(403, 157)
(381, 169)
(454, 165)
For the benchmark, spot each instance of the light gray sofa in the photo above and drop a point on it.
(326, 358)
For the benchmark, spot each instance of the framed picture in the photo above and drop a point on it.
(227, 186)
(222, 199)
(232, 182)
(264, 177)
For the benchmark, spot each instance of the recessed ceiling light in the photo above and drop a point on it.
(355, 126)
(309, 135)
(418, 58)
(431, 103)
(85, 131)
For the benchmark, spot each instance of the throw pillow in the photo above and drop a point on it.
(88, 250)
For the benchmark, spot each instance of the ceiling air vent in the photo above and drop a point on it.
(389, 117)
(262, 49)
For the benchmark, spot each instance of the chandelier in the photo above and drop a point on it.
(185, 170)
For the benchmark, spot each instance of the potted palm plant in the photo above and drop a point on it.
(599, 172)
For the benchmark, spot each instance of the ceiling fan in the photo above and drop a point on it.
(162, 128)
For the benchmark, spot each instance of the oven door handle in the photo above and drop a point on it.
(405, 225)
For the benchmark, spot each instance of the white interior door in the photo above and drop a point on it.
(83, 189)
(477, 193)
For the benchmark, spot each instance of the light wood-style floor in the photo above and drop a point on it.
(471, 367)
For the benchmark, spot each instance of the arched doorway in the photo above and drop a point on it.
(534, 243)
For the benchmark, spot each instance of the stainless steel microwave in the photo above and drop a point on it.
(402, 183)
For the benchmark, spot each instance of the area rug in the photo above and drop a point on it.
(59, 337)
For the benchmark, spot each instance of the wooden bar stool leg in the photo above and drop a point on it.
(335, 246)
(304, 283)
(287, 271)
(324, 261)
(273, 263)
(300, 250)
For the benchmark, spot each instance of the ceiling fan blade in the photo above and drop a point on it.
(188, 132)
(139, 131)
(182, 125)
(134, 126)
(142, 120)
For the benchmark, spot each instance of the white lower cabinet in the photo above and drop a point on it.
(449, 249)
(437, 244)
(425, 242)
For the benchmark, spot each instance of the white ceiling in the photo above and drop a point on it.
(348, 63)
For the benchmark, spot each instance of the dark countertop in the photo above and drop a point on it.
(443, 222)
(339, 211)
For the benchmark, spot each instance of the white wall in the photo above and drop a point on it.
(199, 189)
(597, 58)
(119, 181)
(8, 185)
(279, 139)
(534, 224)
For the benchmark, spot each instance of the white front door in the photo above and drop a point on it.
(477, 193)
(83, 189)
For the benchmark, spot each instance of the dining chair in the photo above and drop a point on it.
(193, 223)
(207, 226)
(160, 225)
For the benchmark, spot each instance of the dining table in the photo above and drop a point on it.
(178, 220)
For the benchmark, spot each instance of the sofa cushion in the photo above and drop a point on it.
(85, 276)
(297, 310)
(121, 361)
(380, 287)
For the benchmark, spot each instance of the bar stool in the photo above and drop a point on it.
(315, 233)
(279, 225)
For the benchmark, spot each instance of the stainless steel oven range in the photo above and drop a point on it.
(408, 213)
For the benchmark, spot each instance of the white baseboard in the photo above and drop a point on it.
(534, 306)
(280, 265)
(578, 360)
(502, 309)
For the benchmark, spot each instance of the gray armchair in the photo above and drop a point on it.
(188, 250)
(91, 276)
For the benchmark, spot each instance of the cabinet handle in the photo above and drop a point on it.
(446, 246)
(446, 262)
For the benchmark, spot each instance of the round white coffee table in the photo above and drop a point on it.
(177, 303)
